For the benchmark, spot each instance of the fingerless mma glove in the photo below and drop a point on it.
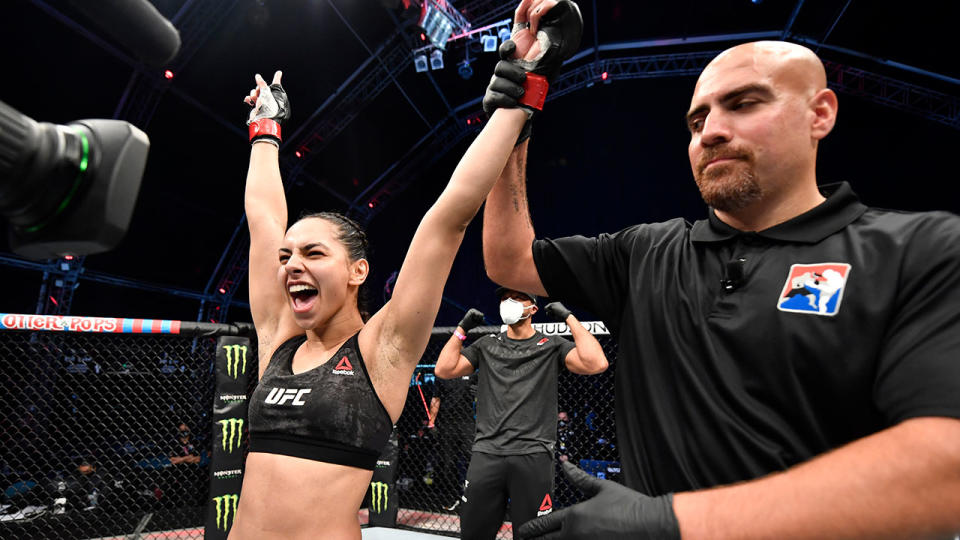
(265, 121)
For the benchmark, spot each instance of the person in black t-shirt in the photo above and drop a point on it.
(787, 367)
(516, 409)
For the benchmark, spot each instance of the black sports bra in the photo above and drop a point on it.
(330, 413)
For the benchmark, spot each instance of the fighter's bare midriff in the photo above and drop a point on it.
(285, 497)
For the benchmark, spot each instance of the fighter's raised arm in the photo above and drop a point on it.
(545, 33)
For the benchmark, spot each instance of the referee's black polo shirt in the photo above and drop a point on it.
(836, 324)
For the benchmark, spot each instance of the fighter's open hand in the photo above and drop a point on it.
(613, 513)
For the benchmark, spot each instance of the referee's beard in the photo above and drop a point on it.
(727, 186)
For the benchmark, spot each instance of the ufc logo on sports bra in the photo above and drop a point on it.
(279, 396)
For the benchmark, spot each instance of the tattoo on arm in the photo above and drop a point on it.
(518, 189)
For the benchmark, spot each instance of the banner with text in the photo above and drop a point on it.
(234, 367)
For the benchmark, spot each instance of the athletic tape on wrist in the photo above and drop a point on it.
(534, 91)
(264, 127)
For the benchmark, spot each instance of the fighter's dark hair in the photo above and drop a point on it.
(352, 236)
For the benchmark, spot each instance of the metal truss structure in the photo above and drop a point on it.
(196, 20)
(357, 91)
(70, 275)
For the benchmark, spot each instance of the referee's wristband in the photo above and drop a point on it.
(460, 336)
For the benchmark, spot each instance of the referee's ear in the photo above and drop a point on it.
(533, 310)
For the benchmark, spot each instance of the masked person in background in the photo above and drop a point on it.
(516, 409)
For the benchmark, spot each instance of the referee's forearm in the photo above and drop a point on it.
(903, 482)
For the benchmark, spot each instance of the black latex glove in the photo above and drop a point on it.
(613, 513)
(471, 320)
(506, 87)
(557, 311)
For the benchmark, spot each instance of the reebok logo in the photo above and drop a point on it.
(279, 396)
(344, 367)
(542, 341)
(546, 506)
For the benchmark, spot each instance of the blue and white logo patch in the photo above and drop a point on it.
(814, 288)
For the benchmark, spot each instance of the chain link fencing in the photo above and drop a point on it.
(94, 442)
(104, 434)
(433, 460)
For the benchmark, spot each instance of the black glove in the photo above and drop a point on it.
(613, 513)
(557, 311)
(270, 111)
(506, 87)
(559, 34)
(471, 320)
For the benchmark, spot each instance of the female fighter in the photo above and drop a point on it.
(331, 386)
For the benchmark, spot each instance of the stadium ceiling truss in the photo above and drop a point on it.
(197, 20)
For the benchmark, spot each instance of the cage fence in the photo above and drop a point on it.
(433, 459)
(105, 435)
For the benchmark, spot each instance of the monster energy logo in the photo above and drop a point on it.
(230, 429)
(236, 354)
(379, 496)
(224, 505)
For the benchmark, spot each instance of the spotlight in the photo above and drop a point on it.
(420, 63)
(436, 59)
(465, 70)
(504, 33)
(437, 27)
(489, 43)
(604, 76)
(168, 74)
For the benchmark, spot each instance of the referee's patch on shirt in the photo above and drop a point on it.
(814, 288)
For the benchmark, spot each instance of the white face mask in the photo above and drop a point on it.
(511, 311)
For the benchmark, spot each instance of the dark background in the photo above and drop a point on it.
(602, 158)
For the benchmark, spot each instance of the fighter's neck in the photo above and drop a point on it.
(522, 330)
